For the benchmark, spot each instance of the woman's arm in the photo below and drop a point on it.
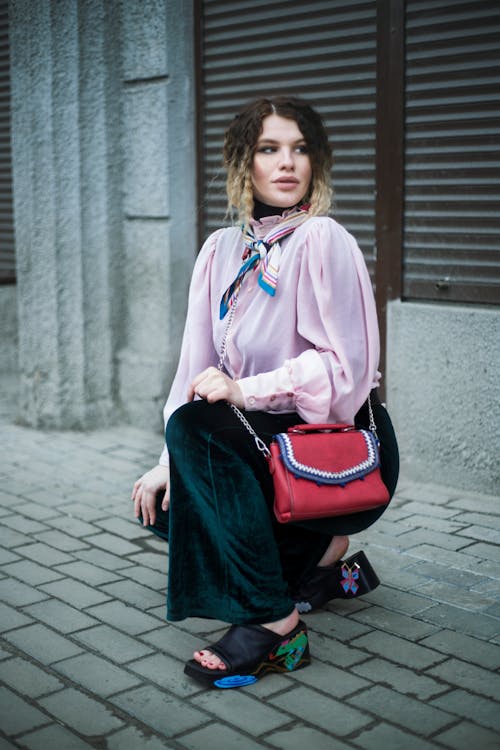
(197, 349)
(335, 312)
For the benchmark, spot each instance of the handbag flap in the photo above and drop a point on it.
(329, 457)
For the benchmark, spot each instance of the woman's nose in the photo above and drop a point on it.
(286, 159)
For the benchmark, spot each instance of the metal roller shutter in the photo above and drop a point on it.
(7, 254)
(323, 51)
(452, 177)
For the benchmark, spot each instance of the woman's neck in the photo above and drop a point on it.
(263, 209)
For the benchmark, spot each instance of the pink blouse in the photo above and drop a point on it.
(313, 348)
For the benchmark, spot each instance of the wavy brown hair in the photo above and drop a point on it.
(240, 144)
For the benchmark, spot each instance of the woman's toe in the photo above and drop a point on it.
(209, 660)
(213, 662)
(200, 656)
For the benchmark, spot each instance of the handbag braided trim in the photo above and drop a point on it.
(320, 476)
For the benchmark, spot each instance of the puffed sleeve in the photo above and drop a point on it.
(336, 313)
(197, 349)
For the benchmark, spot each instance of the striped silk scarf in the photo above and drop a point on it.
(264, 254)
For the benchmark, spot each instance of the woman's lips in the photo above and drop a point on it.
(285, 182)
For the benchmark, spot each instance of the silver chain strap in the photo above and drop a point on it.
(261, 446)
(223, 346)
(372, 426)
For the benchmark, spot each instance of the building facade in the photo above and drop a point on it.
(117, 114)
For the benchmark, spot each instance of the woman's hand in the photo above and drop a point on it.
(145, 490)
(213, 385)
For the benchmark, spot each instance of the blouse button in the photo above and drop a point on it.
(251, 400)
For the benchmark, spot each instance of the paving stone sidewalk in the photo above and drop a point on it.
(87, 659)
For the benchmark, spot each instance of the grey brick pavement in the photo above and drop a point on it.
(87, 659)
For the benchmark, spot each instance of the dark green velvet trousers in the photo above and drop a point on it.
(229, 558)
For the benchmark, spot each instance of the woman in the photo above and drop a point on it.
(302, 346)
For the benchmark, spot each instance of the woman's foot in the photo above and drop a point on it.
(248, 652)
(336, 550)
(211, 661)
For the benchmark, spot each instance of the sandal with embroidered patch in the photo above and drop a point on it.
(250, 652)
(345, 579)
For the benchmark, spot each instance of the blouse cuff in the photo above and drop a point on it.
(314, 393)
(269, 391)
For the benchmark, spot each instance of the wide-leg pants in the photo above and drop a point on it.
(229, 558)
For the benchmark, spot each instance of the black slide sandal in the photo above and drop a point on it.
(250, 652)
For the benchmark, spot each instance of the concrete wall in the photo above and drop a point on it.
(8, 329)
(443, 364)
(65, 112)
(104, 195)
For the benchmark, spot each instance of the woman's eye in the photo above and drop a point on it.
(302, 149)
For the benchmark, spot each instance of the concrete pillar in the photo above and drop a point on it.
(65, 120)
(159, 198)
(104, 190)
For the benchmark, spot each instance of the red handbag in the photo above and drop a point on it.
(323, 470)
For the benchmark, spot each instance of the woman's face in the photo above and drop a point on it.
(281, 168)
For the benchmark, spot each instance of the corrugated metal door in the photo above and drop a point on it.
(324, 51)
(7, 253)
(452, 176)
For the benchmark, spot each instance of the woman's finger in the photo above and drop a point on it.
(137, 506)
(213, 385)
(149, 515)
(166, 500)
(217, 394)
(135, 489)
(202, 384)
